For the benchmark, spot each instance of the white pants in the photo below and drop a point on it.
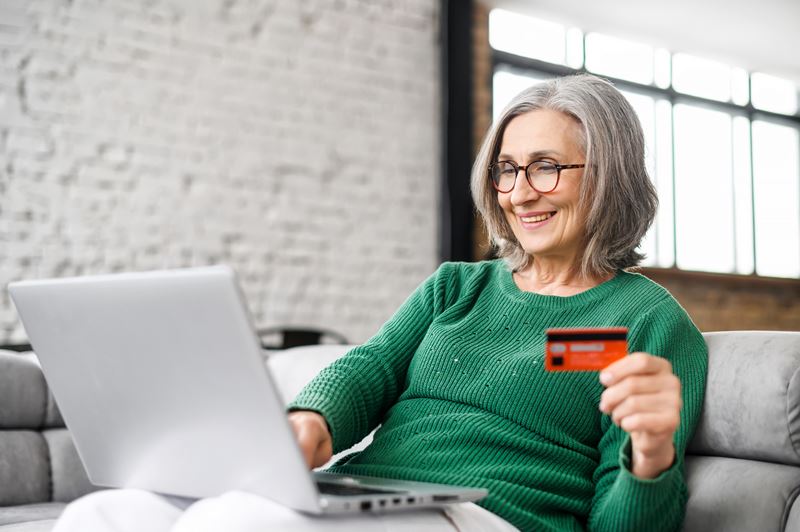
(132, 510)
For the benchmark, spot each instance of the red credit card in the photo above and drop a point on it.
(590, 349)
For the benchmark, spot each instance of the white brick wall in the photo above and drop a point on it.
(297, 141)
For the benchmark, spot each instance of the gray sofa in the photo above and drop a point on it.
(743, 465)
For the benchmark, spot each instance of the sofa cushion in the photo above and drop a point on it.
(752, 403)
(24, 467)
(43, 525)
(25, 399)
(732, 494)
(23, 393)
(293, 368)
(31, 513)
(69, 479)
(793, 519)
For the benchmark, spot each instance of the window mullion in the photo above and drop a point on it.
(750, 118)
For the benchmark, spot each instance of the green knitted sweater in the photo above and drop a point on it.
(457, 382)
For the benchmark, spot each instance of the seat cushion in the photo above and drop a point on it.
(24, 467)
(14, 515)
(68, 476)
(731, 494)
(44, 525)
(23, 392)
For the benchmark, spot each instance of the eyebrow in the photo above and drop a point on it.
(533, 156)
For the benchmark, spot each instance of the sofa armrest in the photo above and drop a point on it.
(743, 463)
(38, 459)
(752, 402)
(738, 494)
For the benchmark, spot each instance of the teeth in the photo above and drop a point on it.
(539, 218)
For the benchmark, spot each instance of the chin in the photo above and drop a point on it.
(537, 248)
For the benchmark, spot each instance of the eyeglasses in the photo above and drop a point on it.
(542, 176)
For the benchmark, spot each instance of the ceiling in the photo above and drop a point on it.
(760, 35)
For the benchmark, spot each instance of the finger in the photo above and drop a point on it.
(650, 403)
(634, 364)
(638, 385)
(308, 439)
(323, 453)
(308, 446)
(652, 422)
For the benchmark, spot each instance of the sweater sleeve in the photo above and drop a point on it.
(355, 392)
(623, 501)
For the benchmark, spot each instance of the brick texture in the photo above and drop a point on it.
(728, 302)
(297, 141)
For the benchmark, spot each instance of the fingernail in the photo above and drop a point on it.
(602, 406)
(605, 377)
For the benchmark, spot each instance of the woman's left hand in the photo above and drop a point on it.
(643, 397)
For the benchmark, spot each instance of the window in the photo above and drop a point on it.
(619, 59)
(527, 36)
(507, 83)
(723, 144)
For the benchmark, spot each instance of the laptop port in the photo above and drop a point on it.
(366, 506)
(411, 500)
(382, 502)
(445, 498)
(397, 501)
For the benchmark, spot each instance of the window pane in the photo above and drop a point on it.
(701, 77)
(740, 86)
(743, 195)
(663, 68)
(574, 48)
(506, 84)
(663, 149)
(528, 36)
(703, 191)
(774, 94)
(777, 199)
(619, 58)
(645, 107)
(645, 110)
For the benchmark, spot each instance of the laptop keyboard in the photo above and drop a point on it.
(332, 488)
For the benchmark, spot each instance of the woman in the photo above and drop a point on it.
(456, 377)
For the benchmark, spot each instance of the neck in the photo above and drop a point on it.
(549, 278)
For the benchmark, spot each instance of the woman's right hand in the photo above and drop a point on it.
(313, 435)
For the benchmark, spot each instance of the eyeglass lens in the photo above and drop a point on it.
(541, 175)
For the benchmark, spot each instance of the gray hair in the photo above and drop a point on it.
(616, 196)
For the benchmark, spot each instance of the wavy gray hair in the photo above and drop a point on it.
(617, 197)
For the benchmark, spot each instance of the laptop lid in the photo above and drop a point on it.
(174, 351)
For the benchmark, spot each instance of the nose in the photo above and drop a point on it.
(523, 192)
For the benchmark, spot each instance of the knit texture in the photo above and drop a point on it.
(456, 380)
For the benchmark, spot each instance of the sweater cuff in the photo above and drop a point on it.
(644, 502)
(340, 424)
(626, 466)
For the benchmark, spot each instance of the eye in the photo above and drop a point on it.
(543, 167)
(507, 169)
(504, 168)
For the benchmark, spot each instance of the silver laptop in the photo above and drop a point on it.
(162, 383)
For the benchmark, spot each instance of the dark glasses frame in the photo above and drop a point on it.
(517, 168)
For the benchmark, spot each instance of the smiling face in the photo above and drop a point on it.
(549, 226)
